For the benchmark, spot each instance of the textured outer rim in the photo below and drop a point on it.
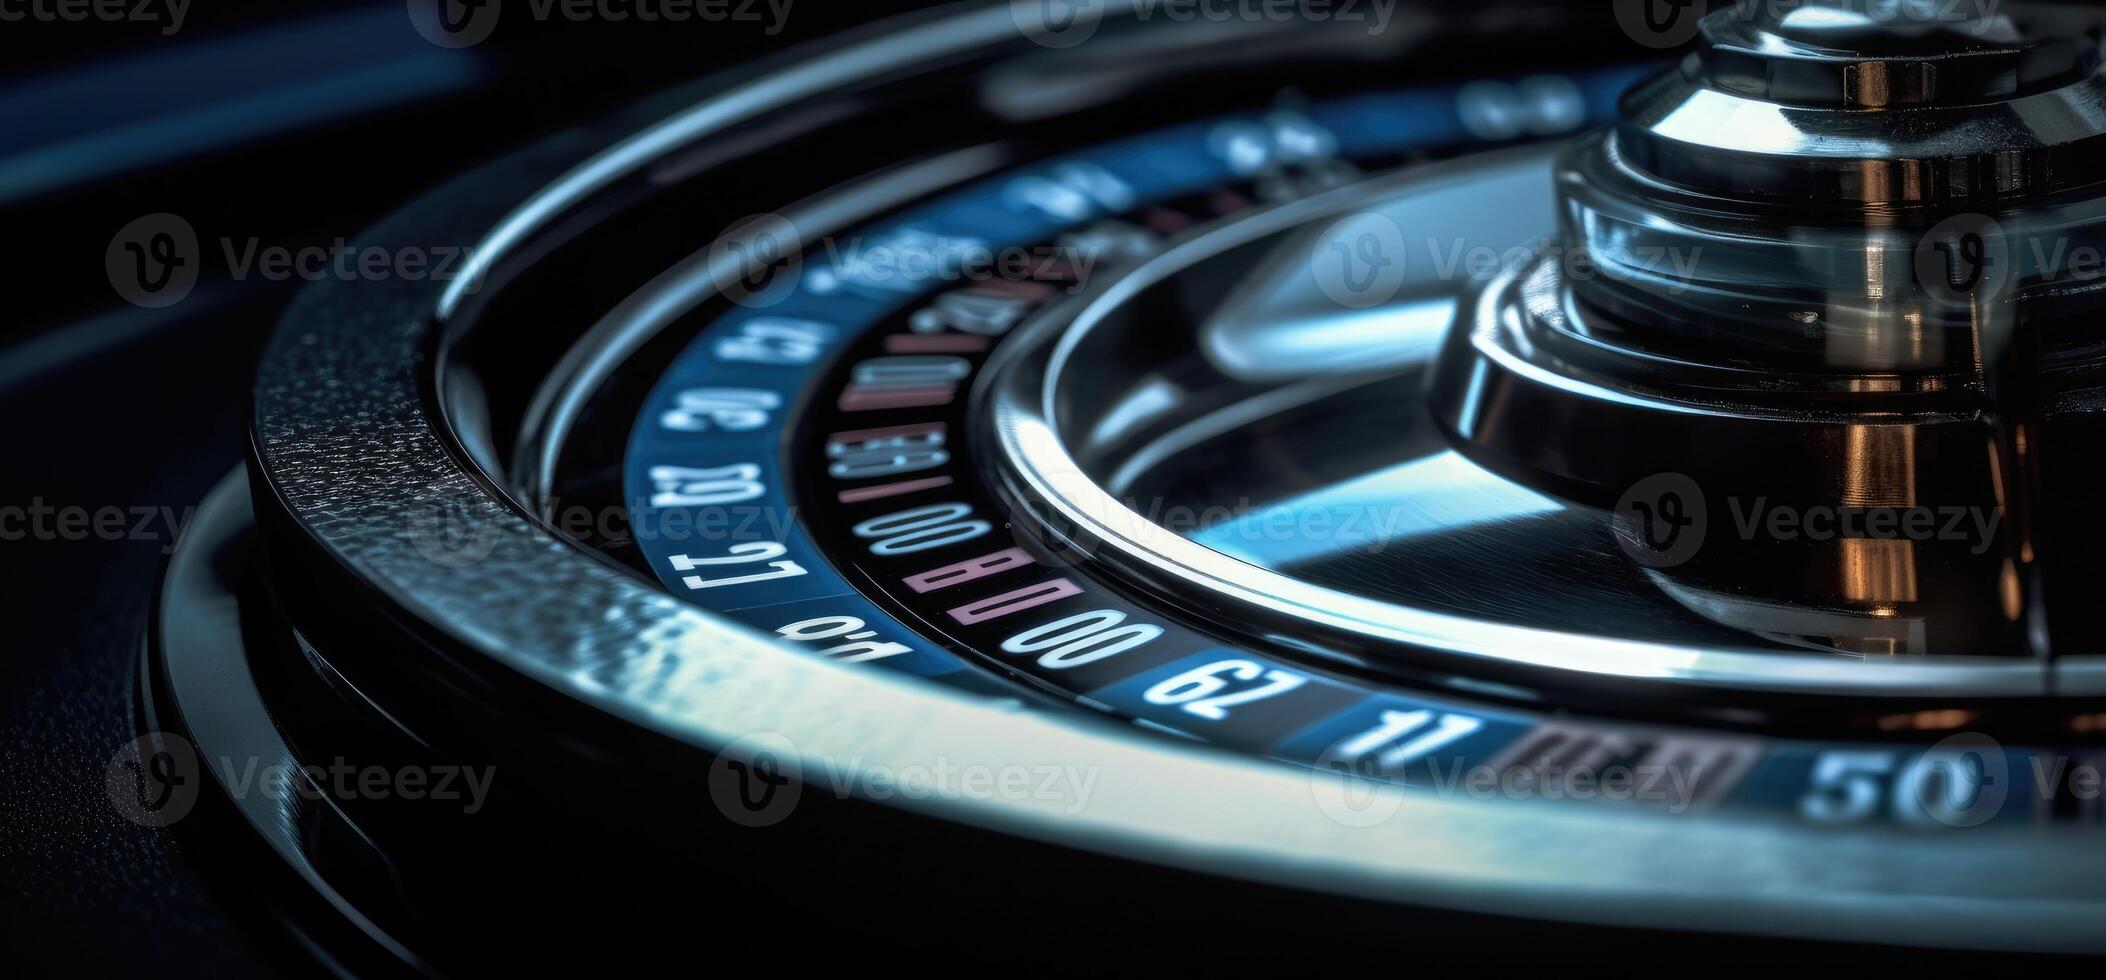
(347, 446)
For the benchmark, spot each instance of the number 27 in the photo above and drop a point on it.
(741, 554)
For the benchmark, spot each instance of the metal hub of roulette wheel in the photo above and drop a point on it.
(1053, 461)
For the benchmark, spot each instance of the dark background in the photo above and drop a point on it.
(281, 124)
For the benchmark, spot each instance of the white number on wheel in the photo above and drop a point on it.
(741, 554)
(729, 409)
(708, 486)
(1847, 786)
(1084, 638)
(1404, 737)
(921, 528)
(1205, 691)
(775, 340)
(862, 646)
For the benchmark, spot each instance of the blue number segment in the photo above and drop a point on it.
(1250, 707)
(1445, 760)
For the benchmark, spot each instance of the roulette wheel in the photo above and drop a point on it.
(1504, 479)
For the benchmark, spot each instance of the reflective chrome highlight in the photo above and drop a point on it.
(1040, 463)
